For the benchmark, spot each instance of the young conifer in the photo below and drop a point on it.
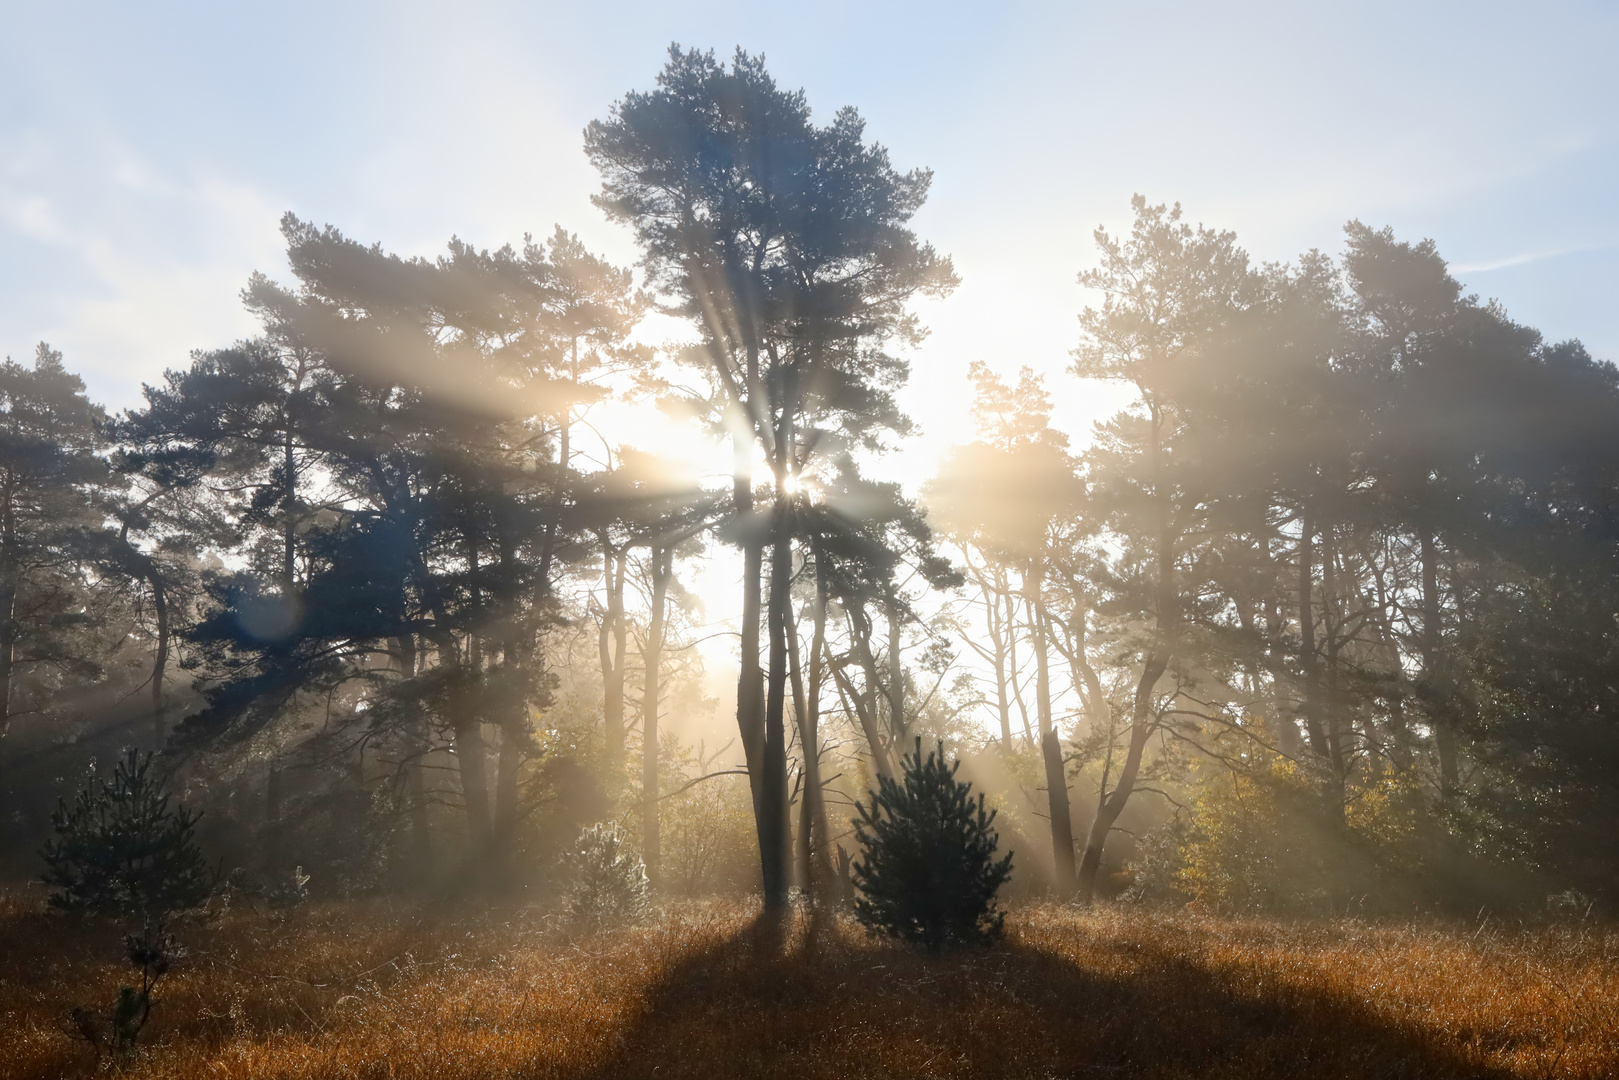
(121, 849)
(929, 872)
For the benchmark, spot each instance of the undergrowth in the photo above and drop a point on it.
(390, 990)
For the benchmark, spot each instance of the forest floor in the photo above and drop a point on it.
(388, 990)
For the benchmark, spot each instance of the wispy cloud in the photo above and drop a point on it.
(1523, 258)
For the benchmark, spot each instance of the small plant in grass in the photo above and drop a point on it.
(152, 951)
(929, 873)
(290, 891)
(121, 849)
(608, 885)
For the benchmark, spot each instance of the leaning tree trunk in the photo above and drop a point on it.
(1143, 721)
(1107, 814)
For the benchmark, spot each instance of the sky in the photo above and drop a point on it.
(147, 151)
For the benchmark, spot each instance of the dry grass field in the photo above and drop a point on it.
(379, 990)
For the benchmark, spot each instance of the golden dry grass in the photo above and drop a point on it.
(379, 990)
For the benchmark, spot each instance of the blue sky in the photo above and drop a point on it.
(146, 151)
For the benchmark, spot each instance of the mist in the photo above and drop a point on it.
(669, 622)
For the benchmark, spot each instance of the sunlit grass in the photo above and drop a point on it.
(360, 989)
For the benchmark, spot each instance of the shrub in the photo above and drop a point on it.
(929, 873)
(121, 849)
(1263, 838)
(608, 884)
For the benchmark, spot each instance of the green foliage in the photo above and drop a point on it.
(929, 872)
(121, 849)
(609, 886)
(1264, 839)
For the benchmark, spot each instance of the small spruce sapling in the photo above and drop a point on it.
(929, 874)
(121, 849)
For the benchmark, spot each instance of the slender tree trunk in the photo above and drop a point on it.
(776, 825)
(1003, 705)
(1142, 719)
(868, 722)
(1096, 710)
(817, 863)
(1439, 716)
(614, 637)
(1309, 707)
(1331, 701)
(652, 659)
(466, 728)
(1062, 826)
(472, 754)
(750, 698)
(898, 722)
(1011, 652)
(415, 746)
(160, 658)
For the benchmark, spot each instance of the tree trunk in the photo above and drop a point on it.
(1438, 715)
(415, 746)
(1142, 720)
(775, 825)
(652, 660)
(1112, 805)
(471, 755)
(896, 676)
(1062, 827)
(613, 640)
(1308, 707)
(160, 658)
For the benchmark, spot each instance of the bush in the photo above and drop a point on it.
(1263, 839)
(608, 884)
(929, 873)
(122, 849)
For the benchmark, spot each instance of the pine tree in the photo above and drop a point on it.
(929, 874)
(609, 883)
(122, 849)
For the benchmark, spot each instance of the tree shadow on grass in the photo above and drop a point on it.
(819, 1002)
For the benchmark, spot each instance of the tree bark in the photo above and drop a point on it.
(775, 824)
(1062, 827)
(1309, 706)
(1142, 720)
(160, 658)
(613, 640)
(652, 658)
(1444, 734)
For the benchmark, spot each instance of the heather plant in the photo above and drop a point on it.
(929, 873)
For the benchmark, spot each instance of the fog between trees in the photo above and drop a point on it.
(1326, 617)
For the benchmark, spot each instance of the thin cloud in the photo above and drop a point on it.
(1525, 258)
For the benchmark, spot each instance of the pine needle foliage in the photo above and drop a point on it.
(121, 849)
(929, 873)
(609, 886)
